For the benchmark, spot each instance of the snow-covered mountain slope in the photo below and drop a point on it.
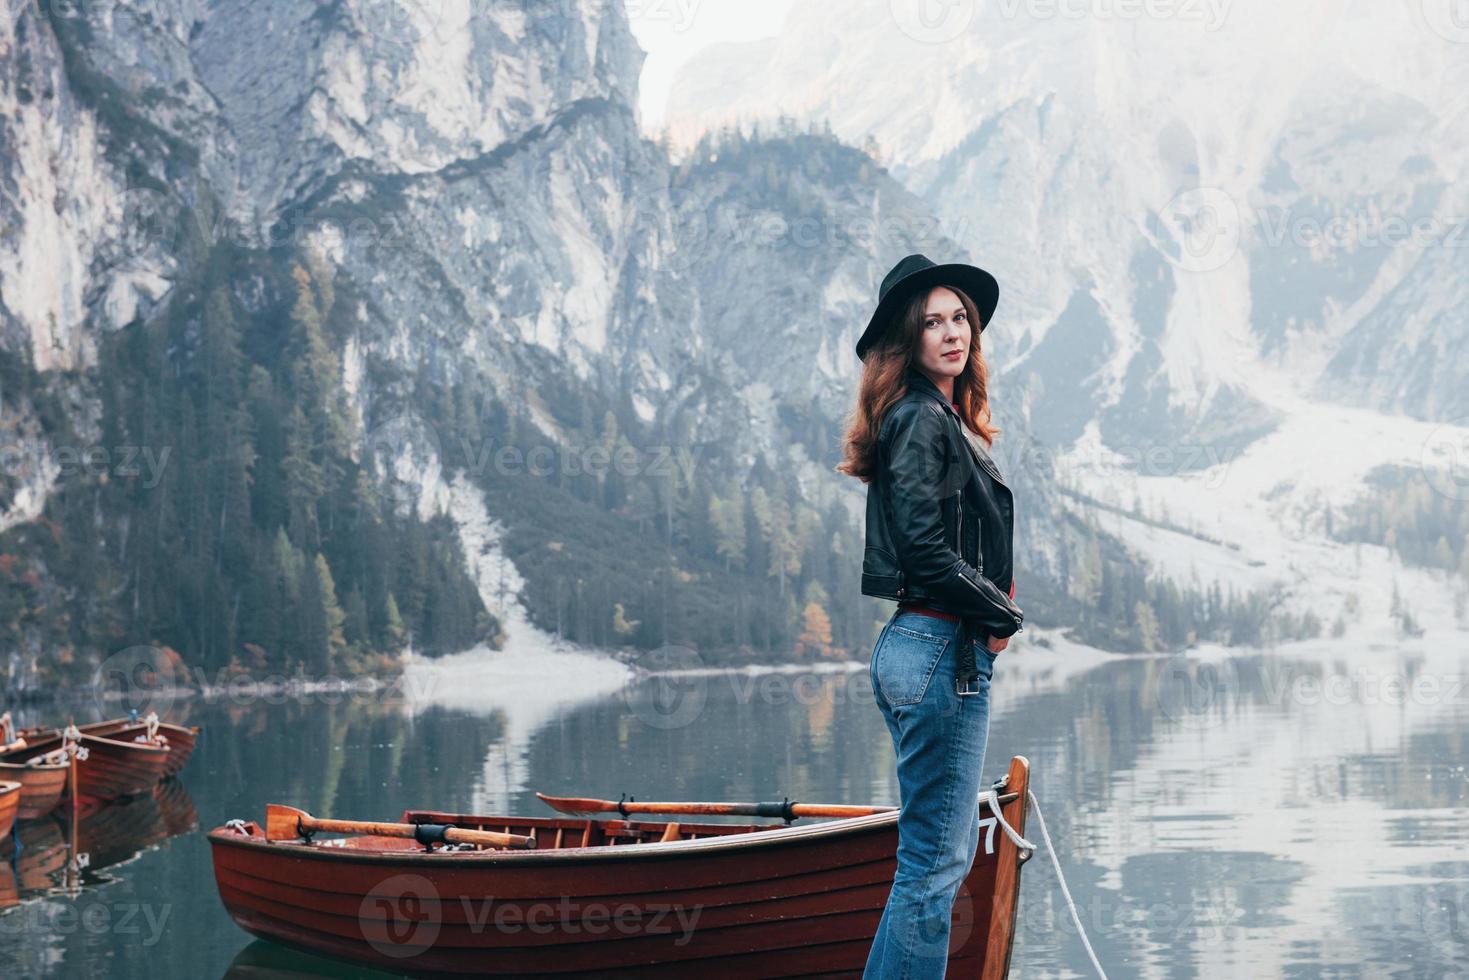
(1150, 191)
(1258, 520)
(1232, 241)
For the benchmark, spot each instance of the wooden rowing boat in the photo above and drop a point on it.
(112, 770)
(9, 806)
(41, 781)
(180, 738)
(606, 897)
(41, 785)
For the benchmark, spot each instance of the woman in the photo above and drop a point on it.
(939, 530)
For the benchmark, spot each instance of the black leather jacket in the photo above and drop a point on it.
(934, 524)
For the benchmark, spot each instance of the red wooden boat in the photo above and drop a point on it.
(41, 785)
(112, 770)
(9, 806)
(610, 897)
(41, 782)
(179, 738)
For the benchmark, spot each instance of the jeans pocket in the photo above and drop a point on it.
(905, 662)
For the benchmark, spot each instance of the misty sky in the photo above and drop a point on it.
(673, 30)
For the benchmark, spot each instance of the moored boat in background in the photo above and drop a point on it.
(42, 780)
(9, 806)
(42, 784)
(111, 770)
(179, 738)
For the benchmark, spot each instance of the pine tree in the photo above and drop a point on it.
(288, 565)
(354, 626)
(313, 634)
(815, 632)
(395, 629)
(728, 518)
(1147, 625)
(1086, 575)
(304, 481)
(785, 557)
(332, 615)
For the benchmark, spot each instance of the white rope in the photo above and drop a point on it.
(992, 797)
(1062, 879)
(71, 743)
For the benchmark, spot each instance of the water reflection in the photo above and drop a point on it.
(50, 855)
(1249, 816)
(266, 961)
(54, 883)
(1217, 815)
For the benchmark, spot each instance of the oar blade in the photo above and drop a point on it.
(577, 804)
(284, 822)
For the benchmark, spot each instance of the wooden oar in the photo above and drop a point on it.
(288, 823)
(786, 811)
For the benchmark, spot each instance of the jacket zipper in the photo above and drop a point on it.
(959, 523)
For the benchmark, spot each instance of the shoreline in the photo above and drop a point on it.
(481, 664)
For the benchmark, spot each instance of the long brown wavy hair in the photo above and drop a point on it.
(884, 381)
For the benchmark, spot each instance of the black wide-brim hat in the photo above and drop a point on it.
(917, 272)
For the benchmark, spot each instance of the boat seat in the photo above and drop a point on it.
(613, 834)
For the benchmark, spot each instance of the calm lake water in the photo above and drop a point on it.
(1249, 816)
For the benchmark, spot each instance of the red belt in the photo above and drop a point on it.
(925, 611)
(913, 607)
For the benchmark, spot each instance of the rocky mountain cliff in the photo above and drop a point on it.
(349, 261)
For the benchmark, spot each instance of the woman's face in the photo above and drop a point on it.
(943, 346)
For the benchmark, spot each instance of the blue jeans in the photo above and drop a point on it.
(940, 740)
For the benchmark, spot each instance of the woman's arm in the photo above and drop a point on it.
(918, 464)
